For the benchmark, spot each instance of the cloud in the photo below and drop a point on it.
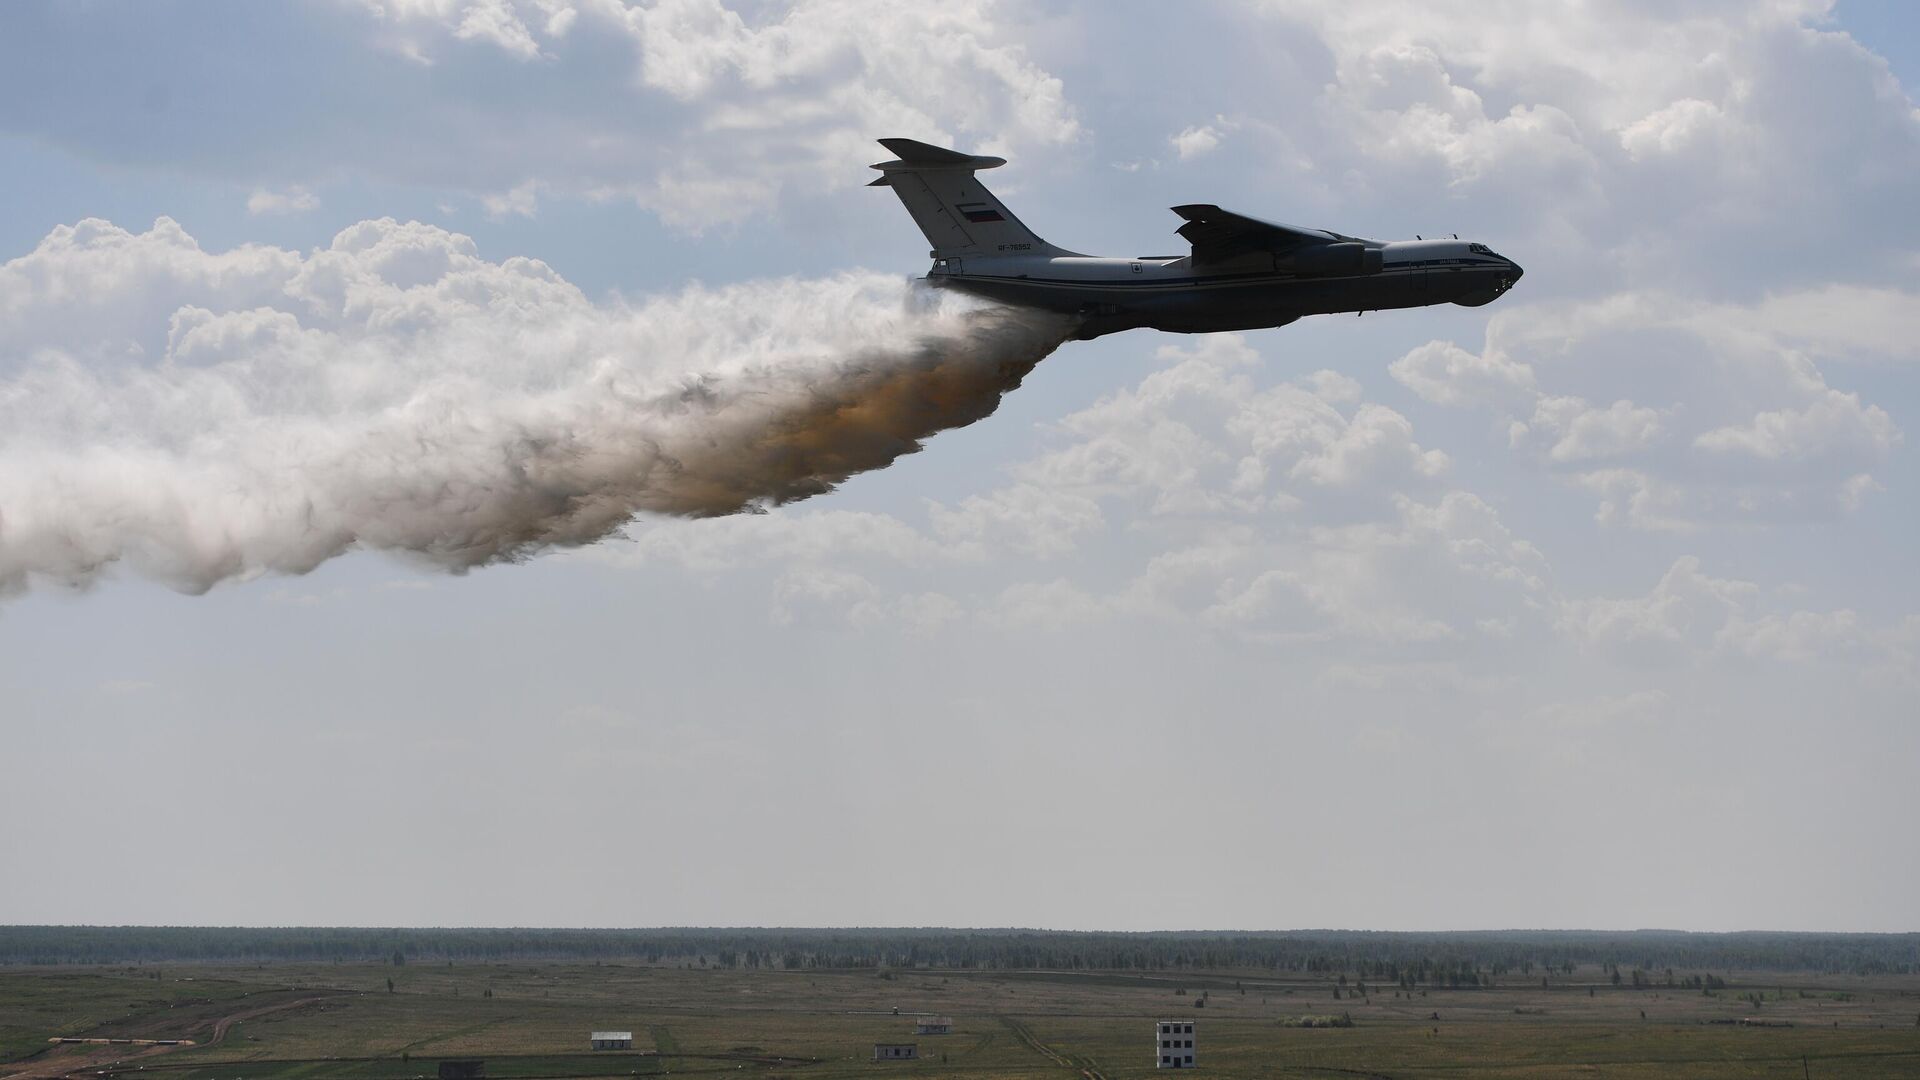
(1635, 498)
(514, 27)
(1833, 426)
(1676, 145)
(1446, 374)
(1744, 424)
(1587, 433)
(1053, 605)
(293, 200)
(840, 597)
(1682, 614)
(704, 113)
(1672, 129)
(1376, 442)
(1195, 141)
(96, 292)
(1198, 436)
(1396, 582)
(740, 106)
(522, 200)
(396, 391)
(1023, 518)
(1402, 99)
(1690, 617)
(1794, 637)
(1839, 322)
(782, 536)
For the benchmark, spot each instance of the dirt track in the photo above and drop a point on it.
(70, 1057)
(1025, 1034)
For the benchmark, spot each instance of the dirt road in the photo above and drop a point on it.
(81, 1054)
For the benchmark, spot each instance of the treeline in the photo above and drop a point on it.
(1455, 958)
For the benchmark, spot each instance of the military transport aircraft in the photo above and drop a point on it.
(1244, 273)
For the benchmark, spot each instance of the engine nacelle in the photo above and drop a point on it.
(1326, 260)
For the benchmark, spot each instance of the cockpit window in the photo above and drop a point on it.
(1482, 249)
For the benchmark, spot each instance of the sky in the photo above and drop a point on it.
(380, 379)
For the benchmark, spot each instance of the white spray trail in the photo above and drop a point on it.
(206, 416)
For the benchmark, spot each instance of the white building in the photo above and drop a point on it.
(933, 1025)
(613, 1040)
(1173, 1044)
(895, 1051)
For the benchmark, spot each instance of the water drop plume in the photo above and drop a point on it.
(203, 416)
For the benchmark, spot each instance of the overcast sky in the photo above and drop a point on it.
(1595, 607)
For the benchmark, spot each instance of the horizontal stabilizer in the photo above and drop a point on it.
(920, 153)
(918, 157)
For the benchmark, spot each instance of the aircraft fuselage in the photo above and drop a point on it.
(1250, 292)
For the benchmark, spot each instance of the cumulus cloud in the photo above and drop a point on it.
(1839, 322)
(1744, 425)
(515, 27)
(743, 103)
(1396, 581)
(1446, 374)
(1401, 99)
(293, 200)
(1195, 141)
(396, 391)
(522, 200)
(1586, 433)
(1635, 498)
(782, 536)
(1198, 436)
(1671, 129)
(1291, 512)
(1683, 612)
(1833, 425)
(1713, 127)
(1690, 617)
(1024, 518)
(841, 597)
(1795, 636)
(705, 113)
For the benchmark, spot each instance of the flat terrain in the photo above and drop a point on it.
(532, 1020)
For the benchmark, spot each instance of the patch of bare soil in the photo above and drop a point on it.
(202, 1027)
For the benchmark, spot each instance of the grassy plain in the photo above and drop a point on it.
(281, 1022)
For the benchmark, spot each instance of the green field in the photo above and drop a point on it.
(532, 1020)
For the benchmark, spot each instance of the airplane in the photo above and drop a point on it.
(1243, 273)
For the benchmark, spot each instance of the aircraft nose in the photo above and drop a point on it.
(1517, 271)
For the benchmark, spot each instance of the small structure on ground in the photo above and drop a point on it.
(933, 1025)
(463, 1070)
(895, 1051)
(1173, 1044)
(613, 1040)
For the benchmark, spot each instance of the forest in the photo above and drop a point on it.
(1457, 958)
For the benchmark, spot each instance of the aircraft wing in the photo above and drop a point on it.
(1218, 235)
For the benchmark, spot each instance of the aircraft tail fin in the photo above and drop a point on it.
(952, 207)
